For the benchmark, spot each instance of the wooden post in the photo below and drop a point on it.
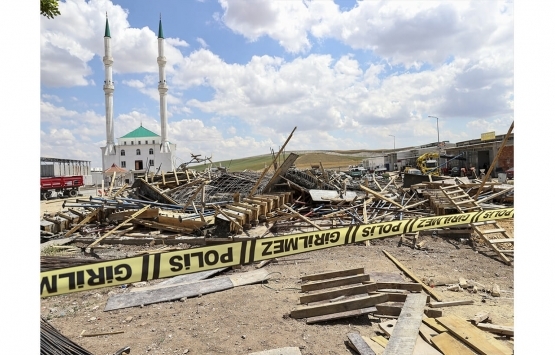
(302, 217)
(253, 190)
(112, 183)
(494, 161)
(85, 220)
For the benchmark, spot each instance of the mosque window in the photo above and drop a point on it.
(151, 151)
(153, 142)
(139, 142)
(123, 164)
(122, 152)
(151, 162)
(124, 142)
(131, 142)
(138, 152)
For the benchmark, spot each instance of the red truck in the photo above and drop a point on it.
(63, 185)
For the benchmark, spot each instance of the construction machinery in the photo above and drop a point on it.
(428, 164)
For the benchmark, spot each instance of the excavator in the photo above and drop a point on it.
(428, 164)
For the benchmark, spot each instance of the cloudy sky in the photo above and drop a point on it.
(243, 73)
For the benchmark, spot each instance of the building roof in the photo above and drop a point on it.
(107, 30)
(140, 132)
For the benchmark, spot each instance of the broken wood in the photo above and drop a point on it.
(342, 306)
(450, 303)
(497, 329)
(175, 292)
(405, 333)
(359, 344)
(332, 274)
(302, 217)
(340, 315)
(83, 222)
(449, 345)
(349, 280)
(473, 336)
(430, 291)
(479, 317)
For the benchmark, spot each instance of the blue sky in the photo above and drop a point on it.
(242, 74)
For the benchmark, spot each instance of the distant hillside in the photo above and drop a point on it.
(329, 159)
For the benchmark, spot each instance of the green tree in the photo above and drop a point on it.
(49, 8)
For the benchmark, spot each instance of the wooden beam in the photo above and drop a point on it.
(359, 344)
(332, 274)
(450, 303)
(349, 280)
(428, 289)
(118, 227)
(253, 190)
(449, 345)
(404, 335)
(302, 217)
(497, 329)
(232, 220)
(336, 307)
(473, 336)
(328, 295)
(492, 166)
(341, 315)
(380, 196)
(84, 221)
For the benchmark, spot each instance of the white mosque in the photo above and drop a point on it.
(140, 150)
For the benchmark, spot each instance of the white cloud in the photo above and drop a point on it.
(202, 42)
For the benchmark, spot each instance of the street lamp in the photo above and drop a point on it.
(438, 147)
(437, 123)
(391, 135)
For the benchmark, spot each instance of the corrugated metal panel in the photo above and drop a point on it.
(46, 170)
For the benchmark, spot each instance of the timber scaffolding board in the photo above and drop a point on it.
(347, 293)
(490, 232)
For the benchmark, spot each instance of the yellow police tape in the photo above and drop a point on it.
(162, 265)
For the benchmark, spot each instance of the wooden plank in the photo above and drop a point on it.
(340, 315)
(473, 336)
(448, 345)
(427, 333)
(381, 197)
(377, 348)
(147, 214)
(83, 222)
(185, 223)
(421, 347)
(328, 295)
(181, 279)
(432, 323)
(405, 333)
(359, 344)
(349, 280)
(380, 340)
(497, 329)
(248, 278)
(341, 306)
(429, 290)
(332, 274)
(290, 350)
(479, 317)
(397, 297)
(409, 286)
(175, 292)
(302, 217)
(450, 303)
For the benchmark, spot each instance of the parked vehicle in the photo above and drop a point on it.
(428, 164)
(63, 185)
(356, 172)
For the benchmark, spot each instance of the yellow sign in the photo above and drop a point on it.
(488, 136)
(169, 264)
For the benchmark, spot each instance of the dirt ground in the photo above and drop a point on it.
(255, 317)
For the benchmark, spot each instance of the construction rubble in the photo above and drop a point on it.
(188, 209)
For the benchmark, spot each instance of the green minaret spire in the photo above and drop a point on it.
(160, 31)
(107, 31)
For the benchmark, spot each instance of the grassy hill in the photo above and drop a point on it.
(329, 159)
